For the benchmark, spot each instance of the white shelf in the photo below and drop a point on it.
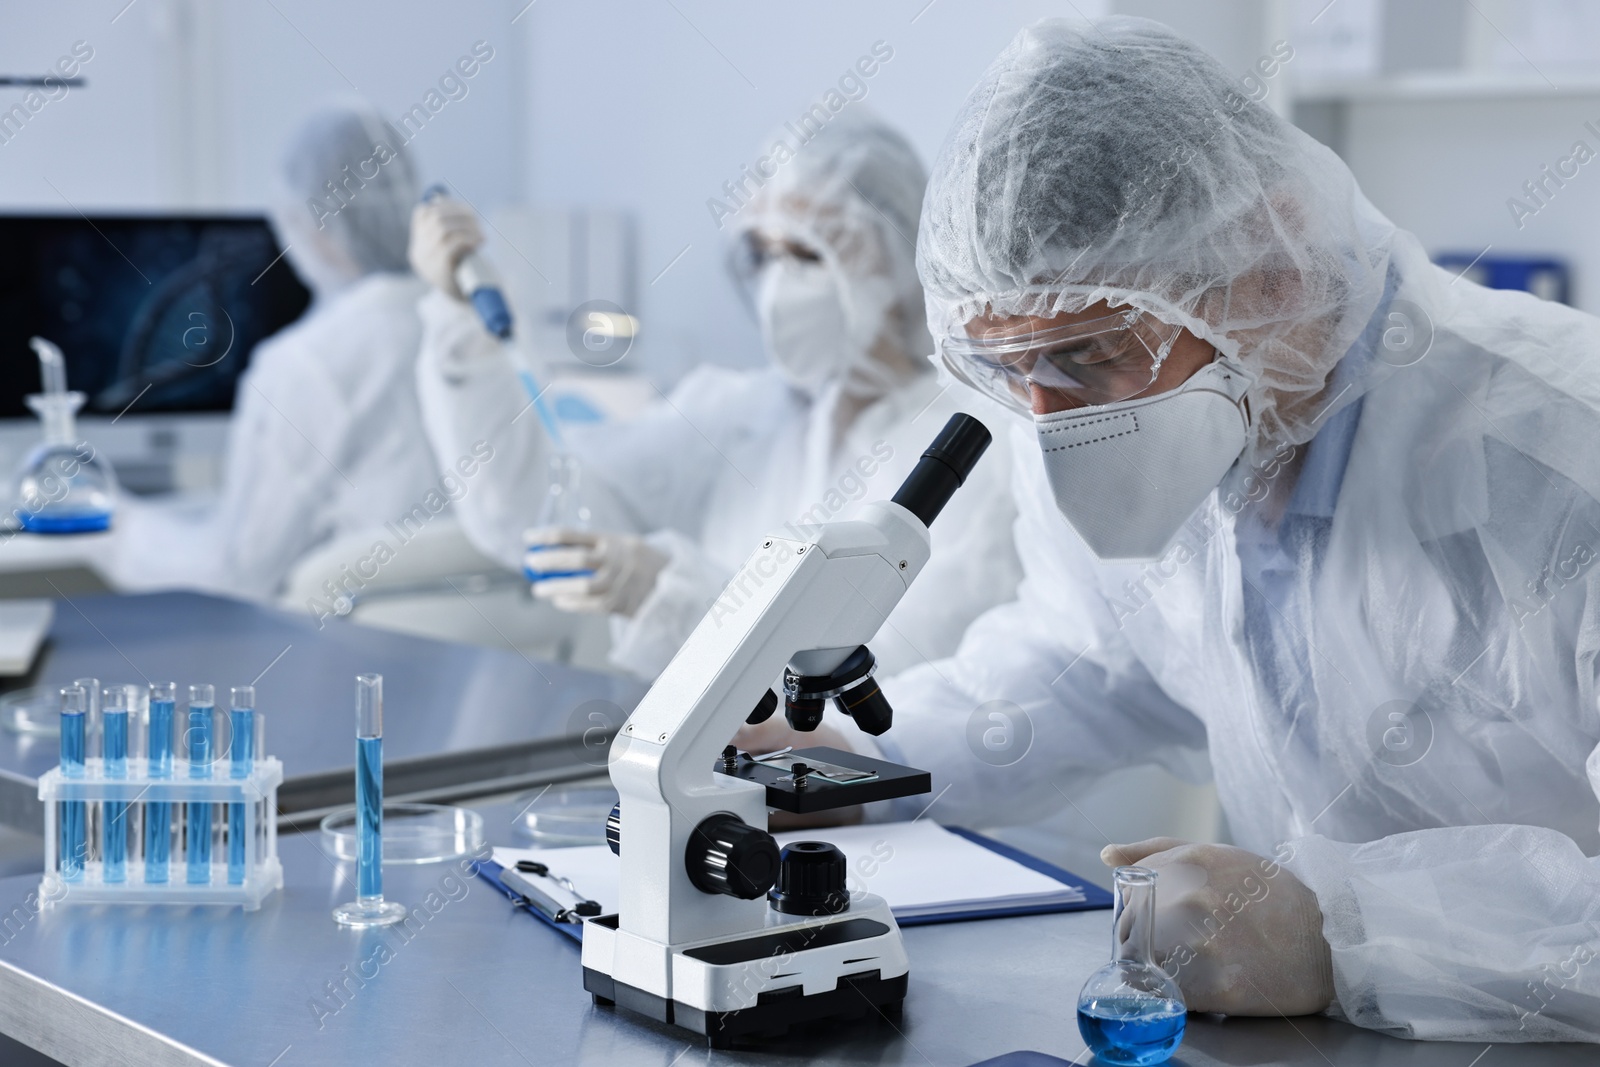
(1447, 85)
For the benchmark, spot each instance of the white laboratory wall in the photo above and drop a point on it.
(655, 106)
(188, 102)
(1445, 169)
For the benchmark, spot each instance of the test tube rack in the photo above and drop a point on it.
(257, 793)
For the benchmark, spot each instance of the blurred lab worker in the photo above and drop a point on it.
(326, 436)
(839, 415)
(1292, 495)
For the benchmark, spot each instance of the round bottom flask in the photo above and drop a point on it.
(1131, 1011)
(63, 487)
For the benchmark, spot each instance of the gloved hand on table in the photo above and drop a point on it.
(621, 569)
(1240, 933)
(442, 231)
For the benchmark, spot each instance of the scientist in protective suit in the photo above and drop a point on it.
(684, 493)
(326, 437)
(1292, 495)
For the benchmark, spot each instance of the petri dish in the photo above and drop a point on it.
(565, 818)
(412, 833)
(35, 711)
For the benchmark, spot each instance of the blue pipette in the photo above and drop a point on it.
(477, 279)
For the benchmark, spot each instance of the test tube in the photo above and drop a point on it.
(158, 816)
(242, 713)
(197, 738)
(369, 907)
(91, 708)
(74, 842)
(92, 736)
(114, 821)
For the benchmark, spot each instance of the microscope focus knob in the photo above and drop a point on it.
(728, 855)
(614, 829)
(811, 880)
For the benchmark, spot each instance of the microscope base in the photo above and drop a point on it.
(857, 996)
(759, 983)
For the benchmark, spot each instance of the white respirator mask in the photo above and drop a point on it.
(1128, 475)
(804, 325)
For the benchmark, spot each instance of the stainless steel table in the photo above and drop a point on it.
(476, 983)
(460, 720)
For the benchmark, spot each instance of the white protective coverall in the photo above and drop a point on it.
(326, 436)
(1383, 625)
(731, 455)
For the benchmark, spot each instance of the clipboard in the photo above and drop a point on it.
(1092, 897)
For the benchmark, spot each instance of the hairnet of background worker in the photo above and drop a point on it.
(1333, 519)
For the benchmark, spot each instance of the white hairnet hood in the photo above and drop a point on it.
(1116, 161)
(348, 188)
(853, 193)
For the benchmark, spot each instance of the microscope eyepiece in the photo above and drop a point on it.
(944, 466)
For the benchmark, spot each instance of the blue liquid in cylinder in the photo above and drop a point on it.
(158, 814)
(114, 828)
(74, 841)
(1131, 1030)
(369, 817)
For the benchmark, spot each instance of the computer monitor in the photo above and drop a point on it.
(156, 314)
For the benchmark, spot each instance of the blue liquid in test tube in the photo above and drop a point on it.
(158, 814)
(369, 908)
(197, 836)
(74, 842)
(243, 720)
(114, 823)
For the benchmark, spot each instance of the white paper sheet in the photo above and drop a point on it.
(920, 868)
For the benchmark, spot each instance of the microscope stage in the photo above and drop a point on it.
(837, 779)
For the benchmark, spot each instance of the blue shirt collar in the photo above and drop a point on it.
(1317, 492)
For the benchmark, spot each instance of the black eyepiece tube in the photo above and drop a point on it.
(943, 467)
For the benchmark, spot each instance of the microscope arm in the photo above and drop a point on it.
(808, 602)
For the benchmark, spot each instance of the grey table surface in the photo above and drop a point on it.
(477, 983)
(454, 715)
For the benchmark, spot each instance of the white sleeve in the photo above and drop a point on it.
(684, 591)
(470, 395)
(1470, 933)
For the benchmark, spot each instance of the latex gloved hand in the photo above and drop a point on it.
(442, 231)
(591, 573)
(1242, 935)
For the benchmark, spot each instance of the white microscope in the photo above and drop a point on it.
(718, 932)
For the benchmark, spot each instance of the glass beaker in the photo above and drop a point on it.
(1131, 1011)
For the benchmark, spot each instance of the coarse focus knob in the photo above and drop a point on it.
(614, 828)
(810, 880)
(728, 855)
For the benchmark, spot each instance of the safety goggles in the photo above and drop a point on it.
(1080, 364)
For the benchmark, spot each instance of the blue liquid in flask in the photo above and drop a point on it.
(1132, 1030)
(1131, 1011)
